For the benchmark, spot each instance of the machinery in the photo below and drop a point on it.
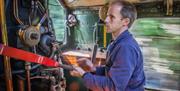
(27, 25)
(29, 28)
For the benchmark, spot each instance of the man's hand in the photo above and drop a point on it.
(86, 64)
(78, 71)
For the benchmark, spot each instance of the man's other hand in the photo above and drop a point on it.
(86, 64)
(78, 71)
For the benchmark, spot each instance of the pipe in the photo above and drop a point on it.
(7, 65)
(43, 10)
(41, 21)
(93, 56)
(22, 71)
(20, 83)
(104, 37)
(15, 12)
(169, 4)
(27, 67)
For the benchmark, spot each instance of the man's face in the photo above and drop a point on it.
(114, 20)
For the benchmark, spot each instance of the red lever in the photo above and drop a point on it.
(27, 56)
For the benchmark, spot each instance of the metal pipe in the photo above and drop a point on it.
(104, 37)
(169, 4)
(7, 65)
(16, 13)
(28, 67)
(20, 83)
(94, 52)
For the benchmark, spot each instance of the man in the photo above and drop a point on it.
(124, 62)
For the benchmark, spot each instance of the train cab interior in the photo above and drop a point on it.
(64, 30)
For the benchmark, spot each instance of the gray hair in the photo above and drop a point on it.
(128, 10)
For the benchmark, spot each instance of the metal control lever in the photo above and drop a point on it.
(94, 52)
(41, 21)
(67, 67)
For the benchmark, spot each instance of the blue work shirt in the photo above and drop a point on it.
(124, 67)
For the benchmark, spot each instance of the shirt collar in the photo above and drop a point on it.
(121, 36)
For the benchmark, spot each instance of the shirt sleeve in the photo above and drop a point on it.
(118, 75)
(123, 67)
(100, 70)
(98, 83)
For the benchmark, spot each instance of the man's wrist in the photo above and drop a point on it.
(82, 73)
(93, 69)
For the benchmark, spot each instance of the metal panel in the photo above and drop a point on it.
(84, 32)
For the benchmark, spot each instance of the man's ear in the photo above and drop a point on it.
(126, 21)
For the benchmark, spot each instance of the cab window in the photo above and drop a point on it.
(57, 14)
